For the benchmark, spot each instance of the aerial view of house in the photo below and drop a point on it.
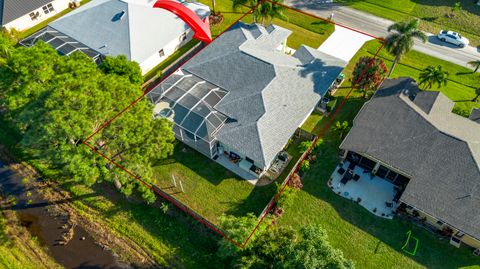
(326, 134)
(21, 15)
(241, 99)
(429, 155)
(117, 27)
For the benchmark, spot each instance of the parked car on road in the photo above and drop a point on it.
(453, 38)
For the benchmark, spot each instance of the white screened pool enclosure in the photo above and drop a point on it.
(189, 101)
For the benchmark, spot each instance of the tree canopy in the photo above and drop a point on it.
(56, 101)
(368, 74)
(278, 246)
(433, 75)
(401, 40)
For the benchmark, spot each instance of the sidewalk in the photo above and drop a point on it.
(378, 27)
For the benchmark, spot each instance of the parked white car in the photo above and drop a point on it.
(453, 38)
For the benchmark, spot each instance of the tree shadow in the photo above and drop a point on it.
(190, 241)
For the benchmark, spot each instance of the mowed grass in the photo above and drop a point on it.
(433, 14)
(209, 189)
(461, 84)
(371, 242)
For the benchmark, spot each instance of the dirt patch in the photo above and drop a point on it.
(131, 253)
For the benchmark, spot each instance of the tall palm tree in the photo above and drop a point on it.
(401, 41)
(475, 64)
(477, 92)
(433, 75)
(266, 10)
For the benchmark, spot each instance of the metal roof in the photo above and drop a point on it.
(62, 43)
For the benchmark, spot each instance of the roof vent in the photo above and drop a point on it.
(119, 16)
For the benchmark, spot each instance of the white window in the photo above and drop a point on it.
(34, 15)
(183, 37)
(161, 53)
(48, 8)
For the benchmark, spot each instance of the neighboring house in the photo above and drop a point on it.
(135, 29)
(23, 14)
(242, 97)
(403, 133)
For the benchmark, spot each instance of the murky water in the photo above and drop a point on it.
(51, 229)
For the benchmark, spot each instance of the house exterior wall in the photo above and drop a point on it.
(432, 221)
(25, 22)
(155, 59)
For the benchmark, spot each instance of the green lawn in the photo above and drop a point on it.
(460, 87)
(432, 12)
(210, 189)
(371, 242)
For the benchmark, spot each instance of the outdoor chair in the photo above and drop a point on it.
(356, 177)
(351, 166)
(344, 180)
(341, 171)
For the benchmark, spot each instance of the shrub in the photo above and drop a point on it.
(461, 111)
(305, 166)
(286, 198)
(331, 105)
(318, 143)
(296, 181)
(304, 146)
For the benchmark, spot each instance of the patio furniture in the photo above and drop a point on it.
(356, 177)
(341, 171)
(397, 196)
(351, 166)
(388, 204)
(347, 177)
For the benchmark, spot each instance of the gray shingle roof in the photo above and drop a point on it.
(439, 150)
(141, 32)
(270, 93)
(475, 115)
(11, 10)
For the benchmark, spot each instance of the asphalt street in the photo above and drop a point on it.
(376, 26)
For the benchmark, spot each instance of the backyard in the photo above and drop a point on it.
(370, 241)
(433, 14)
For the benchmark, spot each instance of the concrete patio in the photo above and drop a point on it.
(225, 162)
(374, 192)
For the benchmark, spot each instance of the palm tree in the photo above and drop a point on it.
(477, 92)
(475, 64)
(269, 10)
(401, 41)
(341, 127)
(265, 10)
(433, 75)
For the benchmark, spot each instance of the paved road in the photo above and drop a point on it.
(377, 26)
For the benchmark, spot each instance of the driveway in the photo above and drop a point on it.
(343, 43)
(378, 27)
